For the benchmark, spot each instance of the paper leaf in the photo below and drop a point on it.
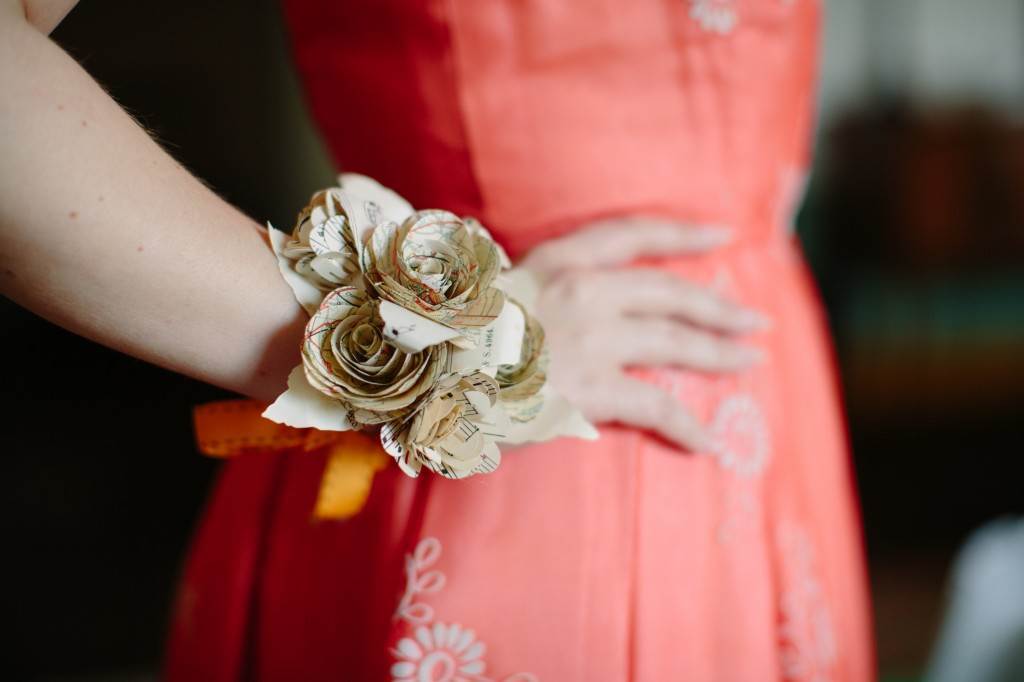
(302, 406)
(306, 293)
(557, 418)
(508, 331)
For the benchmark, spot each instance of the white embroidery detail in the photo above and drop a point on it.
(420, 581)
(714, 16)
(740, 513)
(720, 16)
(807, 642)
(740, 433)
(436, 651)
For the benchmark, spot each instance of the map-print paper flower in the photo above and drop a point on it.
(345, 356)
(436, 266)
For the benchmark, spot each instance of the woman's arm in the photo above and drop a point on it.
(103, 233)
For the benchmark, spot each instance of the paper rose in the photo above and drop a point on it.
(345, 356)
(322, 251)
(322, 246)
(437, 266)
(454, 432)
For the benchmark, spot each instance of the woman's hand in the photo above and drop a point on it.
(600, 319)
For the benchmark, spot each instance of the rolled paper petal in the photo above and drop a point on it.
(454, 430)
(328, 235)
(346, 356)
(482, 311)
(302, 406)
(474, 225)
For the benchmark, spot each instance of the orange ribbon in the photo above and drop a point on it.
(235, 427)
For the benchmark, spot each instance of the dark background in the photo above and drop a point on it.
(914, 223)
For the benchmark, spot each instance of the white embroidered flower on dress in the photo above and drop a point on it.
(740, 431)
(436, 651)
(808, 648)
(715, 16)
(440, 652)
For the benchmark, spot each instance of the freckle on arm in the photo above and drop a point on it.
(73, 214)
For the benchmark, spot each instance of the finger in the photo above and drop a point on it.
(644, 291)
(635, 403)
(620, 241)
(652, 342)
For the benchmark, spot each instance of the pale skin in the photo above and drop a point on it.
(104, 234)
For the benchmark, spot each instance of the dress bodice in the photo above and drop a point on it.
(538, 115)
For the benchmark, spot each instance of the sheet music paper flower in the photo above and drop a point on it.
(454, 432)
(322, 246)
(323, 249)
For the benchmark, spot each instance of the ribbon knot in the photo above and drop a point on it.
(229, 428)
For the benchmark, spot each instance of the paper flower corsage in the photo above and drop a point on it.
(418, 329)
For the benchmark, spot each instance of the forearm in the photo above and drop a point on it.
(106, 235)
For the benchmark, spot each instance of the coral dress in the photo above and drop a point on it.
(620, 559)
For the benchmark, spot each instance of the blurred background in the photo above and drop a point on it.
(913, 222)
